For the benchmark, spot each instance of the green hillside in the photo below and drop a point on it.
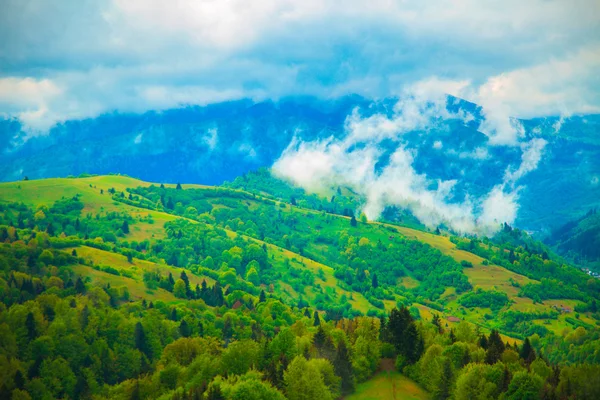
(286, 277)
(579, 241)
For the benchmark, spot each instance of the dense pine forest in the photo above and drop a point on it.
(111, 287)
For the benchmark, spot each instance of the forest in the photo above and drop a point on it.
(122, 289)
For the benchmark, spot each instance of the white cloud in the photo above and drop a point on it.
(211, 139)
(29, 99)
(351, 161)
(531, 155)
(515, 58)
(498, 207)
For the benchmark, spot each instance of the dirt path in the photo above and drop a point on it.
(388, 365)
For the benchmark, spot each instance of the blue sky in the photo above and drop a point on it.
(76, 59)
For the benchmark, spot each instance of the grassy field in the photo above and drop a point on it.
(389, 385)
(136, 288)
(45, 192)
(137, 267)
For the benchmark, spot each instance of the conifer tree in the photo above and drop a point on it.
(435, 320)
(374, 281)
(319, 338)
(79, 286)
(527, 352)
(141, 342)
(30, 326)
(342, 364)
(495, 348)
(444, 389)
(184, 329)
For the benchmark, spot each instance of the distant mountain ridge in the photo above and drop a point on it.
(218, 142)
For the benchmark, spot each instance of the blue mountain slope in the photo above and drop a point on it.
(218, 142)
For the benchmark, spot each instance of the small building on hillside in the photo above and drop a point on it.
(236, 305)
(453, 319)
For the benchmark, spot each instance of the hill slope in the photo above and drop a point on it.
(309, 262)
(184, 291)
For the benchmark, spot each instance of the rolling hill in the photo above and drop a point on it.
(241, 263)
(317, 257)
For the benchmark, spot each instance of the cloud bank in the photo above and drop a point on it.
(355, 161)
(70, 60)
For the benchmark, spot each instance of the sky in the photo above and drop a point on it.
(65, 60)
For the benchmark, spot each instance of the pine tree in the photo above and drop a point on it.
(307, 312)
(30, 326)
(319, 338)
(186, 280)
(263, 297)
(141, 342)
(374, 281)
(353, 221)
(397, 324)
(506, 377)
(444, 389)
(317, 321)
(527, 352)
(184, 329)
(495, 348)
(125, 227)
(217, 293)
(227, 329)
(414, 343)
(79, 286)
(342, 364)
(483, 342)
(178, 187)
(19, 379)
(170, 282)
(74, 253)
(452, 336)
(435, 320)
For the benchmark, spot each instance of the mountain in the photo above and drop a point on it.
(579, 240)
(219, 142)
(115, 287)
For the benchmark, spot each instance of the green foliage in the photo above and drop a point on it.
(525, 386)
(484, 299)
(305, 381)
(246, 299)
